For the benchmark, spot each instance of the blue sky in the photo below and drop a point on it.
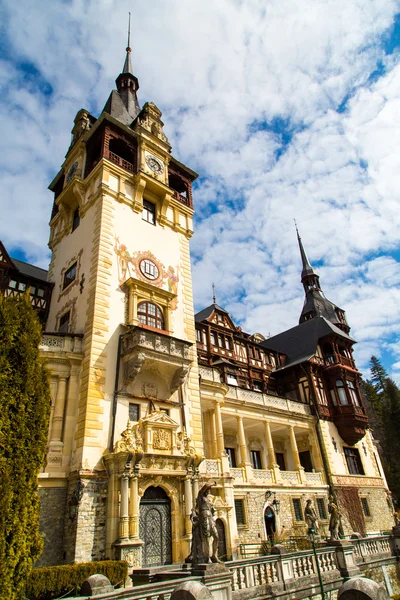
(286, 109)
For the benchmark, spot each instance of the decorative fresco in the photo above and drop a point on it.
(145, 266)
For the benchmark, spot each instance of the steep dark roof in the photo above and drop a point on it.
(30, 270)
(316, 302)
(116, 108)
(300, 343)
(207, 312)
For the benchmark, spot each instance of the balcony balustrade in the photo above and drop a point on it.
(143, 350)
(121, 162)
(213, 468)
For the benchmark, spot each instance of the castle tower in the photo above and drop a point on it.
(315, 303)
(123, 348)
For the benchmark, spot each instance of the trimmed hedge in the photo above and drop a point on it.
(46, 583)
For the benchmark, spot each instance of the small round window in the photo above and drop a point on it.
(149, 269)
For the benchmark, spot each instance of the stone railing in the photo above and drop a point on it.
(313, 478)
(366, 549)
(290, 476)
(274, 402)
(263, 476)
(210, 374)
(142, 339)
(282, 569)
(238, 393)
(161, 590)
(237, 473)
(211, 467)
(61, 343)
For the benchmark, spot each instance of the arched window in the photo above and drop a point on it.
(353, 393)
(341, 392)
(150, 314)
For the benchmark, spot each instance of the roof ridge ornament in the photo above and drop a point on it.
(214, 297)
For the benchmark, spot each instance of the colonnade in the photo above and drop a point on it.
(216, 440)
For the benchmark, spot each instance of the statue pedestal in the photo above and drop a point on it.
(217, 577)
(129, 550)
(345, 558)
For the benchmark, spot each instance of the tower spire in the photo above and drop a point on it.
(315, 303)
(307, 268)
(127, 64)
(127, 87)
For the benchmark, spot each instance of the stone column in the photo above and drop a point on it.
(134, 508)
(242, 443)
(124, 515)
(131, 313)
(219, 429)
(195, 488)
(270, 446)
(293, 446)
(295, 453)
(213, 435)
(59, 407)
(188, 505)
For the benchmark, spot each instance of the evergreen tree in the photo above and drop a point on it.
(24, 419)
(378, 374)
(383, 406)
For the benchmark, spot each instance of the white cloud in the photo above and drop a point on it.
(238, 83)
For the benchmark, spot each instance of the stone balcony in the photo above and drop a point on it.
(151, 354)
(212, 468)
(61, 342)
(272, 402)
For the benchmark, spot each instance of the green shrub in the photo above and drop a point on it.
(46, 583)
(24, 422)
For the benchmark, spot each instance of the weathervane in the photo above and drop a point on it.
(214, 298)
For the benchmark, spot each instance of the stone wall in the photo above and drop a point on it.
(381, 517)
(254, 530)
(385, 574)
(52, 516)
(85, 531)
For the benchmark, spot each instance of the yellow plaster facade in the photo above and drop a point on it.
(136, 425)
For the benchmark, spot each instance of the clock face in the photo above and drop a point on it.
(154, 164)
(72, 171)
(149, 269)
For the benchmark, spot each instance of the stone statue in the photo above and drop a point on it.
(310, 517)
(204, 530)
(335, 521)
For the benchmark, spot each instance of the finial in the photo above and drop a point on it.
(128, 48)
(214, 298)
(295, 224)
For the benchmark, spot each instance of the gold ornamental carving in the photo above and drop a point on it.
(162, 439)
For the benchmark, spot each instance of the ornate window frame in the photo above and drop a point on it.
(139, 291)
